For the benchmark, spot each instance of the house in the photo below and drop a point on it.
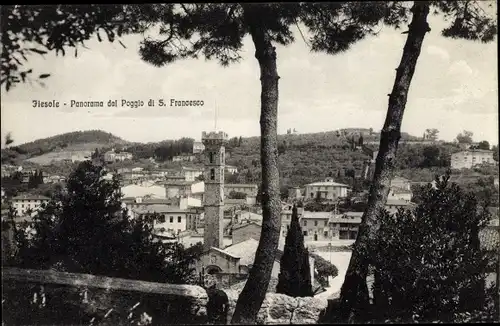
(315, 226)
(170, 219)
(327, 189)
(470, 158)
(183, 158)
(182, 188)
(345, 226)
(401, 183)
(396, 193)
(231, 169)
(190, 174)
(198, 147)
(23, 203)
(113, 156)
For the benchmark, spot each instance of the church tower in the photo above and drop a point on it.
(214, 187)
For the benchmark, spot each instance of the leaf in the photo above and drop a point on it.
(121, 43)
(44, 76)
(38, 51)
(99, 37)
(76, 52)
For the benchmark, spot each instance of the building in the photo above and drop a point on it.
(190, 174)
(246, 230)
(345, 226)
(151, 190)
(183, 158)
(170, 219)
(397, 193)
(214, 188)
(112, 156)
(198, 147)
(182, 188)
(327, 189)
(401, 183)
(470, 158)
(23, 203)
(231, 169)
(315, 226)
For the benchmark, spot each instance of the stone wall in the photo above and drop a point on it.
(282, 309)
(47, 297)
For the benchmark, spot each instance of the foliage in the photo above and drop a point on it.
(485, 145)
(84, 230)
(427, 263)
(465, 137)
(40, 29)
(324, 269)
(431, 134)
(294, 278)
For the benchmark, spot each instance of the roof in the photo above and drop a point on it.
(328, 183)
(474, 151)
(178, 183)
(397, 202)
(159, 208)
(30, 197)
(317, 215)
(348, 217)
(489, 238)
(225, 252)
(241, 185)
(399, 190)
(244, 250)
(249, 216)
(243, 224)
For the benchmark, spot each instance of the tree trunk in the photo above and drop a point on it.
(254, 292)
(354, 293)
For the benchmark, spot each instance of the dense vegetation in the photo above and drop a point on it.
(428, 264)
(84, 230)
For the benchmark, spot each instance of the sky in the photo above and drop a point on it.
(454, 88)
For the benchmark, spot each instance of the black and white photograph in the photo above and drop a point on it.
(250, 163)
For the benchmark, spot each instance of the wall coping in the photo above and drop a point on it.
(101, 282)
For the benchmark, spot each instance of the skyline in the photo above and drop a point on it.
(454, 89)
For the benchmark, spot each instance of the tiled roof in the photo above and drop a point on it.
(243, 224)
(244, 250)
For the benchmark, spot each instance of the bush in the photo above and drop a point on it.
(427, 263)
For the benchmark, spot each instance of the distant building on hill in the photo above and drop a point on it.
(26, 202)
(470, 158)
(327, 189)
(112, 156)
(198, 147)
(183, 158)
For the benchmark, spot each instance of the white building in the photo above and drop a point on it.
(153, 191)
(327, 189)
(25, 202)
(112, 156)
(183, 158)
(190, 174)
(470, 158)
(231, 169)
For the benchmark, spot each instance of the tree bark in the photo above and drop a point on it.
(254, 292)
(354, 293)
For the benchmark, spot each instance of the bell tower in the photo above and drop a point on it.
(214, 188)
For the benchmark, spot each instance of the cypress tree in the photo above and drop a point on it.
(295, 277)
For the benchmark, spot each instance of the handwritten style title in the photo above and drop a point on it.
(116, 103)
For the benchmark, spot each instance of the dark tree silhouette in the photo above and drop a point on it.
(83, 229)
(294, 278)
(468, 21)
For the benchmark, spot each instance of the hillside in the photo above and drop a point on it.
(59, 147)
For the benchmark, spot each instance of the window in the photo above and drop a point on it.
(315, 223)
(171, 219)
(326, 223)
(305, 223)
(213, 259)
(162, 218)
(222, 158)
(288, 217)
(305, 233)
(211, 157)
(212, 174)
(288, 227)
(179, 219)
(325, 234)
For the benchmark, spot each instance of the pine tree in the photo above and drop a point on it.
(294, 278)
